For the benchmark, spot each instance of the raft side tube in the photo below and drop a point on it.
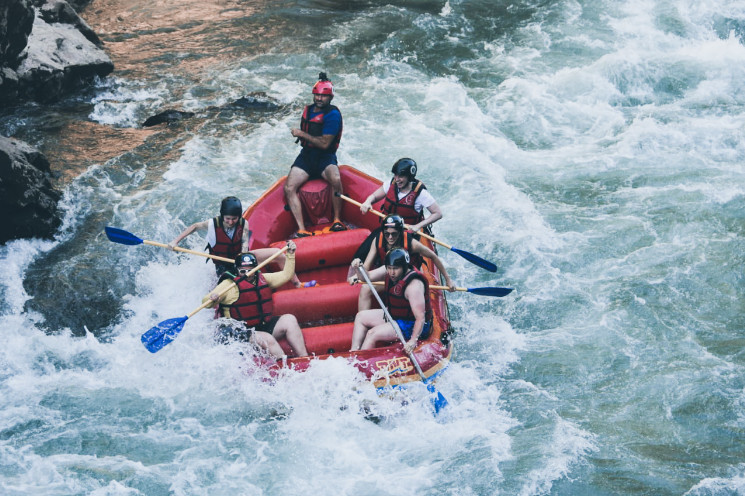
(324, 340)
(326, 250)
(327, 302)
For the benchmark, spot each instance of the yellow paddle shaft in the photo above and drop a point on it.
(382, 215)
(193, 252)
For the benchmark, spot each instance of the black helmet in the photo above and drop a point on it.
(398, 257)
(231, 206)
(405, 166)
(245, 260)
(395, 221)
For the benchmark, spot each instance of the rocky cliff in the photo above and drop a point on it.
(46, 51)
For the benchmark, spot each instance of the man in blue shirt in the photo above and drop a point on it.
(320, 133)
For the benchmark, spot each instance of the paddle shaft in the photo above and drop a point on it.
(185, 250)
(431, 286)
(251, 272)
(382, 215)
(392, 322)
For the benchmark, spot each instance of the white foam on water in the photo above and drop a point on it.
(603, 178)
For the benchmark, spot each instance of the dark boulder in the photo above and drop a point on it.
(27, 198)
(16, 20)
(254, 103)
(45, 56)
(167, 116)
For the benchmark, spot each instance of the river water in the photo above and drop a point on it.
(594, 150)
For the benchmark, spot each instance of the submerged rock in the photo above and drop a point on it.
(27, 198)
(168, 116)
(254, 102)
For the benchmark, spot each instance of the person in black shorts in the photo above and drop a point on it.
(319, 134)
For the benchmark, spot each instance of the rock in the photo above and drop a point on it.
(58, 59)
(79, 4)
(168, 116)
(254, 103)
(44, 56)
(16, 20)
(59, 11)
(259, 103)
(27, 198)
(8, 85)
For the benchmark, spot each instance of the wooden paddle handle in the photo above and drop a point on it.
(445, 287)
(382, 215)
(193, 252)
(355, 202)
(431, 286)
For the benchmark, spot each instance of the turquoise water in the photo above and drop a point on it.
(594, 150)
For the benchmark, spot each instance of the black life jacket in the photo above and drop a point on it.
(224, 246)
(254, 303)
(314, 127)
(398, 305)
(405, 206)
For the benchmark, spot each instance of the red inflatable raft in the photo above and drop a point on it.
(326, 312)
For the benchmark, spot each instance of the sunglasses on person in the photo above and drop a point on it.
(390, 234)
(243, 272)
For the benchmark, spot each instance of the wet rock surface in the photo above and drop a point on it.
(27, 199)
(47, 51)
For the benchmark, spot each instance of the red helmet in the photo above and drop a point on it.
(323, 88)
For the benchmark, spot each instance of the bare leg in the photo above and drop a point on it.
(267, 341)
(366, 298)
(264, 253)
(332, 175)
(296, 178)
(288, 328)
(362, 322)
(382, 332)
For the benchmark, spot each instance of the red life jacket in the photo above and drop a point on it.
(254, 303)
(398, 305)
(314, 127)
(224, 246)
(416, 259)
(405, 206)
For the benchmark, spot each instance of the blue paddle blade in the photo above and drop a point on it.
(490, 291)
(121, 236)
(438, 400)
(476, 260)
(160, 335)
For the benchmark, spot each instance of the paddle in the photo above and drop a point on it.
(496, 291)
(438, 400)
(474, 259)
(160, 335)
(126, 238)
